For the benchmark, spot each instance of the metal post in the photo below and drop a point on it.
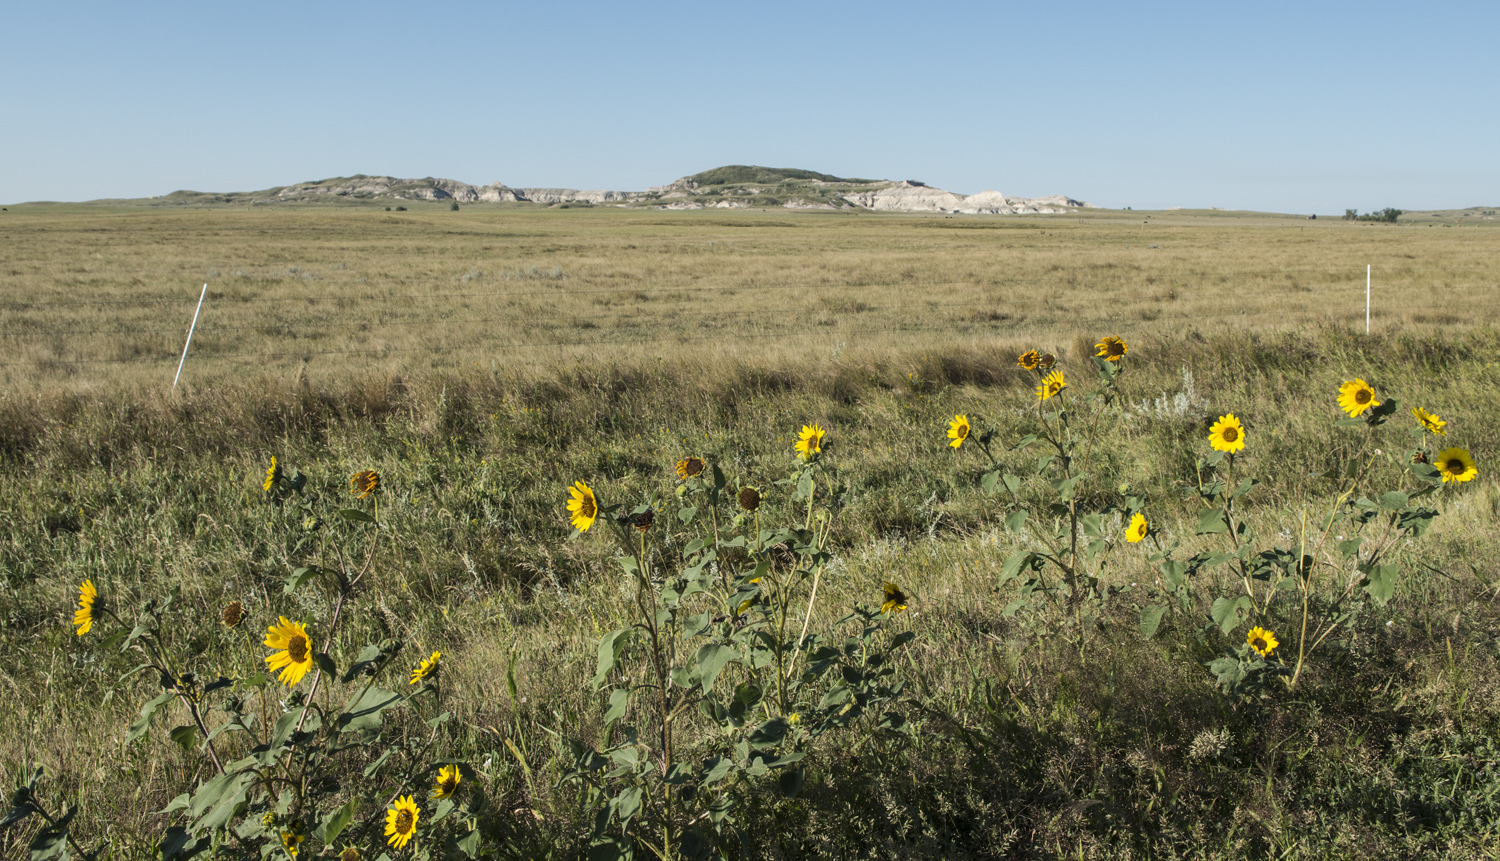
(1367, 298)
(190, 336)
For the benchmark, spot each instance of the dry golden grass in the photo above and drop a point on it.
(93, 297)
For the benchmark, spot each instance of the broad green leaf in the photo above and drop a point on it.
(1393, 501)
(354, 515)
(716, 769)
(297, 578)
(185, 736)
(364, 713)
(610, 646)
(1211, 521)
(1012, 483)
(1380, 582)
(1151, 620)
(628, 802)
(1226, 611)
(1015, 521)
(334, 824)
(989, 481)
(143, 723)
(1172, 571)
(619, 703)
(687, 513)
(711, 659)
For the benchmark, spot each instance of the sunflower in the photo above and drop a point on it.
(289, 841)
(583, 508)
(1455, 464)
(447, 782)
(1046, 362)
(1029, 360)
(1227, 434)
(1430, 421)
(1111, 349)
(349, 854)
(273, 475)
(895, 599)
(427, 668)
(1051, 385)
(1262, 641)
(1356, 396)
(401, 821)
(1138, 528)
(643, 520)
(689, 467)
(810, 441)
(83, 617)
(295, 657)
(364, 483)
(232, 614)
(958, 430)
(749, 498)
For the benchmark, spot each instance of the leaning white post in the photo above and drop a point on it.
(190, 336)
(1367, 298)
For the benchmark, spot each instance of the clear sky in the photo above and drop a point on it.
(1280, 106)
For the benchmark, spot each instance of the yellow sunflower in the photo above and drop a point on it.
(1430, 421)
(401, 821)
(1262, 641)
(290, 840)
(447, 782)
(427, 668)
(83, 617)
(810, 441)
(689, 467)
(1029, 360)
(273, 475)
(1138, 528)
(1356, 396)
(1227, 434)
(1455, 464)
(295, 657)
(583, 508)
(1051, 385)
(958, 430)
(364, 483)
(895, 599)
(1111, 348)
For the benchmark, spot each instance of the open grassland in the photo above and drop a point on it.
(720, 336)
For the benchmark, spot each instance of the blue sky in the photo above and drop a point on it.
(1296, 107)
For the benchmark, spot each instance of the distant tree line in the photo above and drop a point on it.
(1387, 215)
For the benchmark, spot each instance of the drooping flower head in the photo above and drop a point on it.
(1262, 641)
(364, 483)
(958, 430)
(689, 467)
(1029, 360)
(295, 656)
(583, 508)
(1046, 362)
(1227, 434)
(83, 617)
(1111, 348)
(447, 782)
(749, 498)
(1430, 421)
(427, 668)
(1356, 396)
(810, 441)
(232, 614)
(1137, 529)
(1455, 464)
(273, 476)
(643, 520)
(401, 821)
(895, 599)
(1052, 384)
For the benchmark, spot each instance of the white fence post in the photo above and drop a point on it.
(1367, 298)
(189, 343)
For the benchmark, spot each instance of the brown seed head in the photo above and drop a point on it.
(233, 614)
(749, 498)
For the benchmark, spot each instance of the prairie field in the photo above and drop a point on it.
(483, 361)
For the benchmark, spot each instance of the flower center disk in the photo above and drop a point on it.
(296, 649)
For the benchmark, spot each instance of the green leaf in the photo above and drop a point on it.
(354, 515)
(185, 736)
(990, 480)
(326, 664)
(1349, 423)
(1151, 620)
(143, 723)
(364, 713)
(1393, 501)
(1093, 525)
(1012, 484)
(178, 845)
(336, 821)
(1065, 488)
(213, 804)
(1380, 583)
(1226, 611)
(628, 802)
(791, 781)
(1172, 571)
(1211, 521)
(610, 646)
(1351, 546)
(716, 769)
(619, 703)
(300, 576)
(687, 513)
(711, 659)
(1016, 520)
(471, 844)
(1025, 441)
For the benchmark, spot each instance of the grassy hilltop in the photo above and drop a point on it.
(485, 360)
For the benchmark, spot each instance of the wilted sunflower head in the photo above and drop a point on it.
(349, 854)
(1419, 456)
(643, 520)
(895, 599)
(233, 614)
(749, 498)
(1046, 362)
(958, 430)
(1455, 464)
(1430, 421)
(364, 483)
(290, 841)
(689, 467)
(1356, 396)
(1029, 360)
(1111, 348)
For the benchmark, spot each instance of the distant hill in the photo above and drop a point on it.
(735, 186)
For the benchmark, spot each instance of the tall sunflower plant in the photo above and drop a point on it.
(300, 753)
(1291, 594)
(1055, 513)
(721, 677)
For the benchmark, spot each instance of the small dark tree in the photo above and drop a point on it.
(453, 207)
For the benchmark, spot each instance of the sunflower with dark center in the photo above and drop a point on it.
(643, 520)
(1455, 464)
(364, 483)
(689, 467)
(1262, 641)
(1430, 421)
(1052, 384)
(295, 656)
(1356, 396)
(290, 840)
(1227, 434)
(233, 614)
(749, 498)
(1029, 360)
(427, 668)
(810, 441)
(583, 507)
(958, 430)
(401, 821)
(1111, 349)
(1046, 362)
(895, 599)
(447, 782)
(1138, 529)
